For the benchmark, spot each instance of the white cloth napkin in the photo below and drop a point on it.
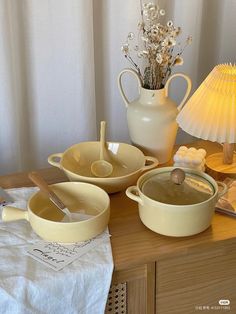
(27, 286)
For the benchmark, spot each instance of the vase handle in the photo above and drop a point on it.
(127, 102)
(189, 86)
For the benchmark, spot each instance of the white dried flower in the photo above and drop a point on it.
(154, 32)
(157, 43)
(162, 12)
(172, 41)
(145, 12)
(154, 15)
(150, 10)
(125, 49)
(178, 31)
(140, 54)
(152, 46)
(131, 36)
(151, 6)
(144, 38)
(141, 25)
(189, 40)
(165, 42)
(179, 61)
(159, 58)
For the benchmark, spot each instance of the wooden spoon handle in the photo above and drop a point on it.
(42, 184)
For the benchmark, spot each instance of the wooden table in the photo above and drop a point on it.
(162, 274)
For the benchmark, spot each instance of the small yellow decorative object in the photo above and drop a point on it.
(190, 158)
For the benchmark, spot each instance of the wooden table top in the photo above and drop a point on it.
(132, 243)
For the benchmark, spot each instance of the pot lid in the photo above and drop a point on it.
(178, 187)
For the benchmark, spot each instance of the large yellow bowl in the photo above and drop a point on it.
(127, 160)
(46, 219)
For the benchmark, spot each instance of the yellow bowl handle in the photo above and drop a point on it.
(132, 192)
(53, 162)
(12, 213)
(154, 163)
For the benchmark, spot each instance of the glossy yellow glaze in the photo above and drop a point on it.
(128, 164)
(170, 219)
(45, 218)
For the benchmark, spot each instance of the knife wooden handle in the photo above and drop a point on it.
(42, 184)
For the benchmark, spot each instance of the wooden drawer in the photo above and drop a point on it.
(133, 291)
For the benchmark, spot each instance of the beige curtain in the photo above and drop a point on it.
(47, 94)
(59, 60)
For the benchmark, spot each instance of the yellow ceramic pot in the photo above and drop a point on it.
(128, 164)
(173, 209)
(45, 218)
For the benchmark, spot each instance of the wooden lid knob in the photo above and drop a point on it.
(177, 176)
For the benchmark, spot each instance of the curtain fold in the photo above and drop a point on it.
(59, 61)
(47, 85)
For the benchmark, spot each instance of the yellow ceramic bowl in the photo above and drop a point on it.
(45, 218)
(128, 164)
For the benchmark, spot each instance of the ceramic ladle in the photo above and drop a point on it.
(102, 168)
(43, 186)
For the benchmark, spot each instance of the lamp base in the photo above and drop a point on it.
(218, 170)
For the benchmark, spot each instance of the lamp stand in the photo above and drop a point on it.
(222, 165)
(228, 153)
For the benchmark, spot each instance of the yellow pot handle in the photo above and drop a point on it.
(53, 162)
(12, 213)
(132, 192)
(189, 87)
(154, 163)
(120, 86)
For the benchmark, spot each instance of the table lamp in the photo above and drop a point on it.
(210, 114)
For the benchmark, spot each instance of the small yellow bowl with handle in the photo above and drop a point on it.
(91, 203)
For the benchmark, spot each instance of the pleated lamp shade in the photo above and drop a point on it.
(210, 113)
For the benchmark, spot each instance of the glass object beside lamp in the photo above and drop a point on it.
(210, 114)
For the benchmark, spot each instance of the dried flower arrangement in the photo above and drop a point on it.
(156, 45)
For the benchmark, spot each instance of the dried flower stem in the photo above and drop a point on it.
(156, 43)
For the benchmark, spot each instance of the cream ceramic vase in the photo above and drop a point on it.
(152, 117)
